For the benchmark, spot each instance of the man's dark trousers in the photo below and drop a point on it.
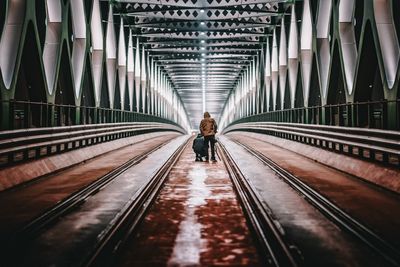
(210, 140)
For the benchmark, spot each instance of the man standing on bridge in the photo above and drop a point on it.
(208, 128)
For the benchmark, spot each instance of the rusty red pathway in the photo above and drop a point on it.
(196, 221)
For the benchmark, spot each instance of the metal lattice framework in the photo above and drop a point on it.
(329, 62)
(202, 46)
(77, 61)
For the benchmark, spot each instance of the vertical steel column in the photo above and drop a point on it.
(268, 73)
(282, 64)
(131, 71)
(274, 71)
(143, 81)
(137, 74)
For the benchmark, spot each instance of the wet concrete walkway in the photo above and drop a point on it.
(361, 200)
(314, 238)
(33, 199)
(72, 239)
(196, 221)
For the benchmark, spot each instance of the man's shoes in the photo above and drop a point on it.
(213, 159)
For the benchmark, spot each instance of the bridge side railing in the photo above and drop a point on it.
(18, 146)
(375, 114)
(376, 145)
(28, 114)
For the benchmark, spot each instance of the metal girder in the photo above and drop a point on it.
(201, 45)
(168, 50)
(197, 42)
(203, 4)
(210, 25)
(205, 34)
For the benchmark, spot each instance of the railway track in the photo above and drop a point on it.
(115, 237)
(274, 250)
(273, 247)
(41, 222)
(331, 211)
(30, 231)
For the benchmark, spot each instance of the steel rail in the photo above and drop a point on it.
(114, 238)
(274, 249)
(331, 211)
(44, 220)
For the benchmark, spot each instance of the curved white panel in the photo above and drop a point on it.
(283, 59)
(52, 42)
(143, 77)
(96, 30)
(10, 39)
(256, 95)
(79, 42)
(54, 11)
(152, 83)
(111, 56)
(121, 46)
(78, 60)
(305, 50)
(252, 85)
(78, 19)
(130, 70)
(253, 75)
(324, 54)
(275, 70)
(348, 41)
(267, 60)
(137, 73)
(267, 75)
(293, 51)
(387, 39)
(143, 74)
(324, 18)
(122, 64)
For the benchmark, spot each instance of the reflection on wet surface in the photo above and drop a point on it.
(188, 243)
(196, 221)
(31, 200)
